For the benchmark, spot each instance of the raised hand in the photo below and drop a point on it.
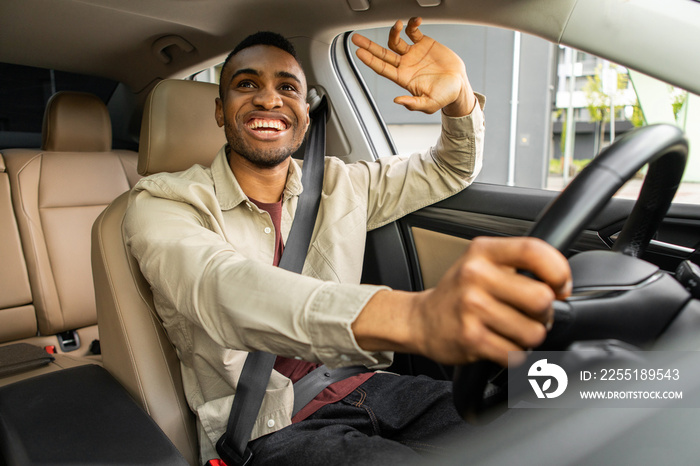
(434, 75)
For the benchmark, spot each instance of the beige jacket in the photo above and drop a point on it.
(207, 252)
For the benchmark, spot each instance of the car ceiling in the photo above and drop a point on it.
(119, 38)
(124, 39)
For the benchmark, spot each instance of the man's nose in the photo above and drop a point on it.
(268, 99)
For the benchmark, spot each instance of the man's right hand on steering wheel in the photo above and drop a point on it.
(481, 309)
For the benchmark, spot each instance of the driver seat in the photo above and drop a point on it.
(177, 131)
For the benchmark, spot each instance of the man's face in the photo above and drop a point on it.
(263, 107)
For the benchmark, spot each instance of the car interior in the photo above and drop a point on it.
(58, 190)
(80, 341)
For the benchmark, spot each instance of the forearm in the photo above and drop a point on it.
(396, 186)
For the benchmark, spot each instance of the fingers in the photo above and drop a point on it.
(533, 298)
(412, 30)
(499, 318)
(530, 254)
(495, 348)
(395, 43)
(374, 50)
(506, 308)
(379, 59)
(380, 67)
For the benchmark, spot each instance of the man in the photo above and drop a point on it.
(207, 240)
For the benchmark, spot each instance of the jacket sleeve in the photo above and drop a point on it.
(398, 185)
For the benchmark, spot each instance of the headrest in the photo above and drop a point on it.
(179, 128)
(76, 122)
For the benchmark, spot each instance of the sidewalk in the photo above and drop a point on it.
(688, 193)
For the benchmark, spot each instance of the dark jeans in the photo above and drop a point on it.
(387, 420)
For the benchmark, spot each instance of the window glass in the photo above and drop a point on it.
(209, 75)
(528, 141)
(24, 92)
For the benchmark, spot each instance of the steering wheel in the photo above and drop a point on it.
(665, 149)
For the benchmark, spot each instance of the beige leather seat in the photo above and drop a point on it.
(57, 192)
(17, 315)
(177, 131)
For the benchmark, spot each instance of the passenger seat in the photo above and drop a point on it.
(57, 193)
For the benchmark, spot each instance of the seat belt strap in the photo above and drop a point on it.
(252, 384)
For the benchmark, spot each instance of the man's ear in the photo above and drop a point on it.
(308, 118)
(219, 112)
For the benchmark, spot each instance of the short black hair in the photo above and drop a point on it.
(260, 38)
(266, 38)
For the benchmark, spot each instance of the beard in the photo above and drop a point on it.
(264, 158)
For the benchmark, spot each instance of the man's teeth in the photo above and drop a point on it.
(276, 125)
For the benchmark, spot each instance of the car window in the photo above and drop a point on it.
(24, 92)
(529, 142)
(209, 75)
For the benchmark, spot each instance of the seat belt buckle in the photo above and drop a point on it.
(229, 454)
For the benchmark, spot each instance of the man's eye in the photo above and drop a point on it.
(288, 87)
(246, 84)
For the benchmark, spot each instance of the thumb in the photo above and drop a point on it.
(417, 103)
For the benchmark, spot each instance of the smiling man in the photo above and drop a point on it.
(208, 240)
(262, 107)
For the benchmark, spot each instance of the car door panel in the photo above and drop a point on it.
(434, 237)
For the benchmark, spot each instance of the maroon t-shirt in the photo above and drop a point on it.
(295, 369)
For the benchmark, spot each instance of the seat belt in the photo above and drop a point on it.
(232, 447)
(317, 380)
